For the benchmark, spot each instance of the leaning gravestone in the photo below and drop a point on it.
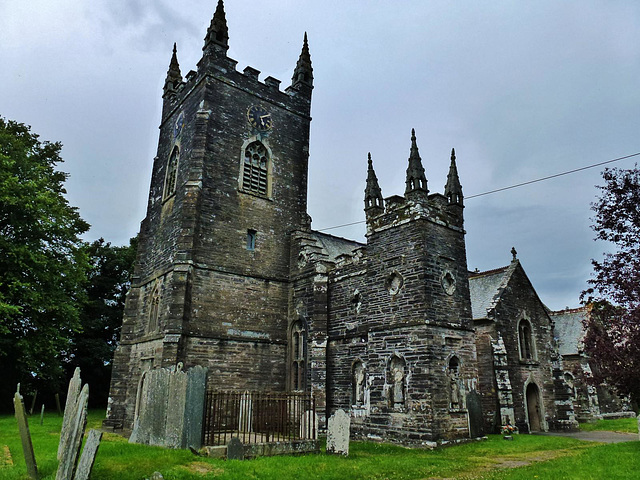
(72, 436)
(235, 449)
(338, 430)
(70, 405)
(88, 455)
(25, 436)
(73, 426)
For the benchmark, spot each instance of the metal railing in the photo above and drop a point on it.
(258, 417)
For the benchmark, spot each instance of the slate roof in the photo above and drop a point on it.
(333, 247)
(485, 289)
(568, 329)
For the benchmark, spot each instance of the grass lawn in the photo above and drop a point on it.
(524, 457)
(625, 425)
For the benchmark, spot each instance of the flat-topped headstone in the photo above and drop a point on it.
(194, 407)
(338, 430)
(309, 425)
(235, 449)
(170, 408)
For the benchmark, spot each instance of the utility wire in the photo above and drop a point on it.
(512, 186)
(552, 176)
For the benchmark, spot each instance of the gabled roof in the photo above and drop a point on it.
(568, 329)
(333, 246)
(486, 288)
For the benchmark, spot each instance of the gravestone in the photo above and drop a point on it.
(170, 408)
(72, 399)
(338, 430)
(88, 455)
(194, 407)
(309, 425)
(235, 449)
(476, 421)
(25, 436)
(72, 436)
(246, 413)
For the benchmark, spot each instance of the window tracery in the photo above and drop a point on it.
(298, 351)
(255, 170)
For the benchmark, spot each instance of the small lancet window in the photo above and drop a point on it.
(255, 169)
(171, 177)
(525, 341)
(251, 239)
(298, 348)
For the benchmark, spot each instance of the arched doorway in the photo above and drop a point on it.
(533, 408)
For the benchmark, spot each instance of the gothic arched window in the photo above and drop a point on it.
(298, 354)
(171, 176)
(255, 169)
(525, 341)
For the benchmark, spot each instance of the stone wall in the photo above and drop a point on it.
(518, 302)
(390, 310)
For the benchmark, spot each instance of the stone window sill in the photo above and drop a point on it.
(532, 362)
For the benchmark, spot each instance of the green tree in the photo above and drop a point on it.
(42, 262)
(612, 336)
(92, 347)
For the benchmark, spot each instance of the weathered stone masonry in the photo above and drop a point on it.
(230, 276)
(199, 294)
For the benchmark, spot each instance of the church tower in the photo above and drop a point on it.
(229, 185)
(401, 349)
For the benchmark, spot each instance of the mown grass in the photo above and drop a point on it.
(625, 425)
(524, 457)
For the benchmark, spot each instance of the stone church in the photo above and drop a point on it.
(231, 276)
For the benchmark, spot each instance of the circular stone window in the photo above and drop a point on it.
(394, 283)
(448, 282)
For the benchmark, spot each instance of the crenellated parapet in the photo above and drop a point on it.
(215, 64)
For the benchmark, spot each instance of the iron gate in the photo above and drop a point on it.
(258, 417)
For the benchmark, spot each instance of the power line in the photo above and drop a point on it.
(552, 176)
(513, 186)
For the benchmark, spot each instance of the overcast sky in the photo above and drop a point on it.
(521, 89)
